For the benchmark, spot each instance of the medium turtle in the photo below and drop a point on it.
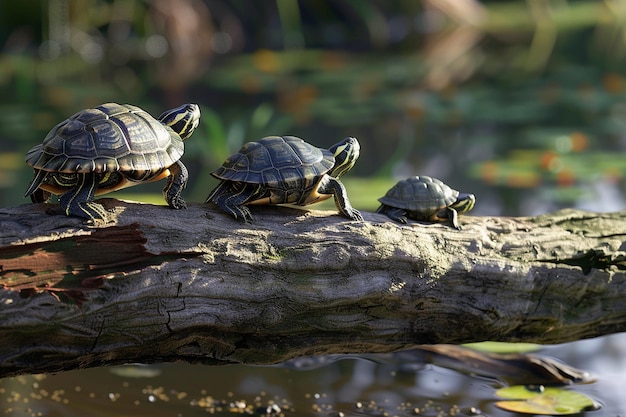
(284, 170)
(107, 148)
(425, 198)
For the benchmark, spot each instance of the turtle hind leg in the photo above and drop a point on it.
(40, 196)
(330, 185)
(230, 197)
(79, 200)
(394, 213)
(37, 195)
(176, 183)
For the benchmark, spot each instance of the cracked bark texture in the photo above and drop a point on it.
(194, 285)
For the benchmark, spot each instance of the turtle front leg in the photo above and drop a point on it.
(330, 185)
(230, 197)
(79, 200)
(449, 214)
(176, 183)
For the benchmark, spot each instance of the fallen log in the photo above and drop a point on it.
(159, 285)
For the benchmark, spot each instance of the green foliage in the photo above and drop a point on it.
(494, 112)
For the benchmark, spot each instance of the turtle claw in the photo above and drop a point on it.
(355, 215)
(330, 185)
(93, 213)
(174, 200)
(178, 204)
(241, 213)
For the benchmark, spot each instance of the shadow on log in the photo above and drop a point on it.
(195, 285)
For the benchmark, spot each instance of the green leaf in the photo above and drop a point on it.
(216, 146)
(544, 401)
(503, 347)
(261, 116)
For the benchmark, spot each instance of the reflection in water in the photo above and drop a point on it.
(372, 385)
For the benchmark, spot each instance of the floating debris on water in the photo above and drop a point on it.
(136, 371)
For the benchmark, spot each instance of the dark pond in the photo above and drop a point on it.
(349, 387)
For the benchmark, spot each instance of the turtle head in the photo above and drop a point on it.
(183, 120)
(346, 153)
(464, 203)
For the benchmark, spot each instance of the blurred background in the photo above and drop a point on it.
(521, 102)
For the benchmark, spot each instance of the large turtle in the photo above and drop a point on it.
(110, 147)
(425, 198)
(284, 170)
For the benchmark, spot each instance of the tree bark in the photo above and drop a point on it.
(194, 285)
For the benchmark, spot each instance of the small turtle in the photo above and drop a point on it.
(284, 170)
(107, 148)
(425, 198)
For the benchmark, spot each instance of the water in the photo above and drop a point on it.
(347, 387)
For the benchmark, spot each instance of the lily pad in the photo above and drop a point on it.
(544, 401)
(503, 347)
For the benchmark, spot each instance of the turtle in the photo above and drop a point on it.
(284, 170)
(425, 198)
(107, 148)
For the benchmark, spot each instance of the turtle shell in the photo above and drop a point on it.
(109, 138)
(420, 194)
(278, 162)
